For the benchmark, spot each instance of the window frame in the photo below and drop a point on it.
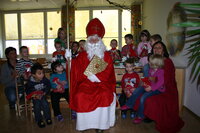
(44, 11)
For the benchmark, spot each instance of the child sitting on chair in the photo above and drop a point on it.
(130, 81)
(37, 88)
(23, 66)
(59, 87)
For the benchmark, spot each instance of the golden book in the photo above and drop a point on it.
(96, 65)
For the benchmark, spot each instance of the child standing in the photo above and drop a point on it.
(24, 64)
(153, 39)
(144, 47)
(59, 87)
(59, 54)
(114, 52)
(155, 86)
(129, 50)
(130, 81)
(75, 47)
(37, 88)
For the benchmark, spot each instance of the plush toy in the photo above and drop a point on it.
(58, 83)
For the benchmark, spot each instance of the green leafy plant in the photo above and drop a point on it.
(193, 37)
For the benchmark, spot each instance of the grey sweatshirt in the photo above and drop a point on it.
(5, 78)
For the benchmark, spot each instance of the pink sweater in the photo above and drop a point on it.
(159, 76)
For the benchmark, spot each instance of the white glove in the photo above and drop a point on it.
(68, 53)
(93, 78)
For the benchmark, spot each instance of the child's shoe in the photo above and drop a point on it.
(125, 107)
(138, 120)
(123, 115)
(59, 117)
(49, 122)
(132, 115)
(41, 124)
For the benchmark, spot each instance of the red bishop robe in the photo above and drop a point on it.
(86, 96)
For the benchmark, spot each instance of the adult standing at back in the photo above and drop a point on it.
(61, 37)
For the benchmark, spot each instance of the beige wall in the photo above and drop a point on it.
(155, 13)
(1, 44)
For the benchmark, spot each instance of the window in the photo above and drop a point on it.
(32, 25)
(126, 24)
(109, 18)
(11, 31)
(32, 30)
(82, 19)
(53, 24)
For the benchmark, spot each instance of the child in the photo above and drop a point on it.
(144, 47)
(129, 83)
(153, 39)
(154, 87)
(24, 64)
(61, 37)
(37, 88)
(81, 45)
(59, 87)
(59, 54)
(75, 47)
(114, 52)
(129, 50)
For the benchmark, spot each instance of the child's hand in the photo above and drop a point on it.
(148, 88)
(63, 82)
(58, 87)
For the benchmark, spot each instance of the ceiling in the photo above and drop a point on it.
(6, 5)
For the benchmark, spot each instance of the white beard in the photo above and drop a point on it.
(97, 49)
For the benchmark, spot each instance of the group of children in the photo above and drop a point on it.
(38, 86)
(132, 85)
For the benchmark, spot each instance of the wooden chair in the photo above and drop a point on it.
(21, 101)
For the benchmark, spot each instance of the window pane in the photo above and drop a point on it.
(53, 23)
(126, 24)
(82, 19)
(33, 32)
(109, 18)
(11, 31)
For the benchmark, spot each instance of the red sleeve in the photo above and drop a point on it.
(122, 82)
(137, 80)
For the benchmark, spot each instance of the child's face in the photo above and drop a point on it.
(12, 55)
(59, 69)
(128, 40)
(75, 47)
(39, 75)
(58, 47)
(143, 38)
(82, 44)
(129, 67)
(24, 52)
(152, 41)
(113, 44)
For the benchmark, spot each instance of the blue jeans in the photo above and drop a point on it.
(41, 105)
(138, 91)
(140, 112)
(146, 70)
(10, 93)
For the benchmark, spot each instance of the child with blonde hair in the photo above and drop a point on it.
(153, 85)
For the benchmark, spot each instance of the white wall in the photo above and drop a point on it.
(155, 13)
(1, 43)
